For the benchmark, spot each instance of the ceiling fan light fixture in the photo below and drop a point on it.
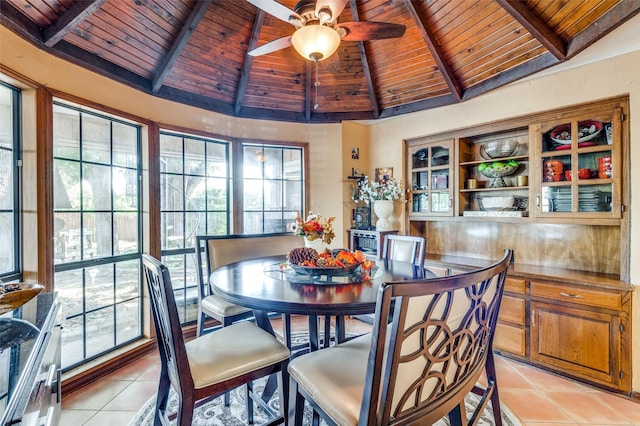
(315, 42)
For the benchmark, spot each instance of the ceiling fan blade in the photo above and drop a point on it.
(369, 30)
(278, 10)
(335, 6)
(272, 46)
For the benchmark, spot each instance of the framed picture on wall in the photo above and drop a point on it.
(383, 173)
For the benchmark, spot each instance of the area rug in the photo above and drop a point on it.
(214, 412)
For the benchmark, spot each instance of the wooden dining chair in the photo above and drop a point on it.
(404, 248)
(417, 369)
(220, 250)
(210, 365)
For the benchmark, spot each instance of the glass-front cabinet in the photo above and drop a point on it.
(558, 165)
(580, 166)
(431, 178)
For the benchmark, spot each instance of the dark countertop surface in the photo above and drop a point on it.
(20, 336)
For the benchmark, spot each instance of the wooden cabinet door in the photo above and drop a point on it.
(430, 175)
(581, 342)
(580, 178)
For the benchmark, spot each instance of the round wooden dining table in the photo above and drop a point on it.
(268, 284)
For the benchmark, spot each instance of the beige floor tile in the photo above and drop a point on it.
(588, 408)
(133, 396)
(76, 417)
(111, 418)
(533, 406)
(95, 395)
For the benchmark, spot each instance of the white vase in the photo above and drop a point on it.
(384, 211)
(316, 244)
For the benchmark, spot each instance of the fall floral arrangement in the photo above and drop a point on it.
(386, 189)
(314, 227)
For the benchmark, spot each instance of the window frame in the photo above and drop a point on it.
(16, 110)
(112, 260)
(186, 249)
(262, 145)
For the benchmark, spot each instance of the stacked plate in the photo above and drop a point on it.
(589, 200)
(561, 200)
(593, 200)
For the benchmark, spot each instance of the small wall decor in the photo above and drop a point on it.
(355, 153)
(383, 174)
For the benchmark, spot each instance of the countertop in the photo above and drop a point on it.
(534, 272)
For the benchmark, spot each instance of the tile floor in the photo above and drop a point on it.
(536, 397)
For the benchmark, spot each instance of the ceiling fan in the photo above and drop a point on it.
(318, 34)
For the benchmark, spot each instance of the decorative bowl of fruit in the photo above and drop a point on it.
(306, 260)
(497, 170)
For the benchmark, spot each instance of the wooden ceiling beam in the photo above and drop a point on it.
(19, 23)
(179, 43)
(615, 17)
(248, 59)
(536, 26)
(69, 20)
(429, 37)
(366, 69)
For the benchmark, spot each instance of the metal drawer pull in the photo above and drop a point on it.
(573, 296)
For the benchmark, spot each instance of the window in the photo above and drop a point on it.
(97, 231)
(10, 265)
(273, 187)
(194, 200)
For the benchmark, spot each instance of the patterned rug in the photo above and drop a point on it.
(215, 413)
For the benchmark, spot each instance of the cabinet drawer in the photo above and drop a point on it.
(515, 285)
(582, 296)
(510, 339)
(512, 309)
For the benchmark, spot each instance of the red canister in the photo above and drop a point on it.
(605, 171)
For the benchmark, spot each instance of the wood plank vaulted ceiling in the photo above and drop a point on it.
(195, 52)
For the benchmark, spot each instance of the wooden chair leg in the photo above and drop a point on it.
(283, 389)
(200, 323)
(248, 391)
(185, 412)
(327, 331)
(490, 370)
(162, 398)
(458, 416)
(296, 405)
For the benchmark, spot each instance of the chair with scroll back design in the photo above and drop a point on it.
(210, 365)
(416, 369)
